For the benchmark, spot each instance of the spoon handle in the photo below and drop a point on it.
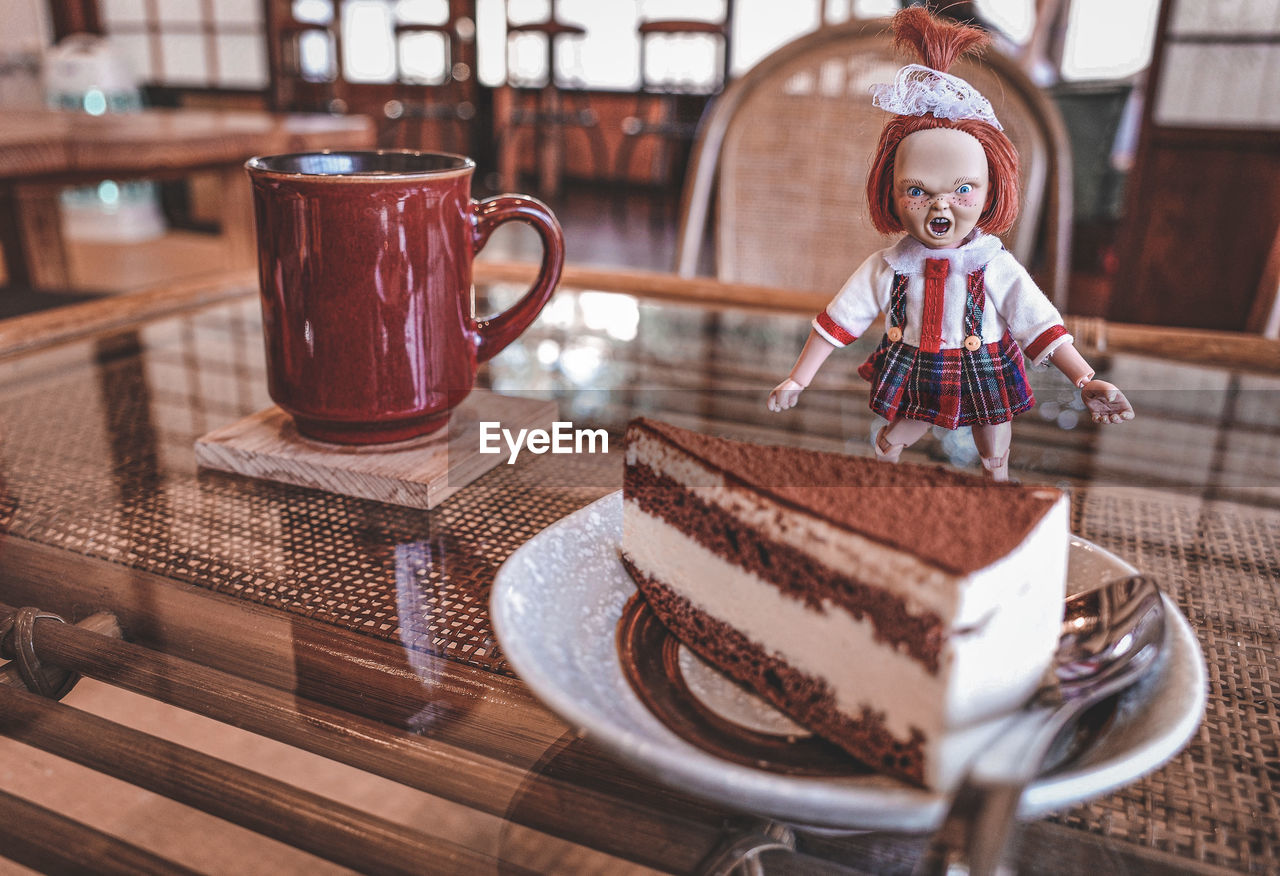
(974, 835)
(976, 829)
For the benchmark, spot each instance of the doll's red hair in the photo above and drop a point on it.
(939, 43)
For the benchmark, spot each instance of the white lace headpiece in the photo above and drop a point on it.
(918, 90)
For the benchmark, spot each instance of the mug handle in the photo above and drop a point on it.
(496, 333)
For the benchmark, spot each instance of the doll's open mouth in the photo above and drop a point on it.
(939, 227)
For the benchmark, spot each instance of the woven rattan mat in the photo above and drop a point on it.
(421, 578)
(103, 474)
(1218, 801)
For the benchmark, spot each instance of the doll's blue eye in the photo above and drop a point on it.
(915, 192)
(964, 189)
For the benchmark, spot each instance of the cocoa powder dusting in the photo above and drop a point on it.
(951, 520)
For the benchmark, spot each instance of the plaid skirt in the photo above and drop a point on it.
(950, 388)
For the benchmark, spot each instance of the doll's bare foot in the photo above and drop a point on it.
(886, 452)
(997, 467)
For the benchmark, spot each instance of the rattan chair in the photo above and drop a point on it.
(782, 161)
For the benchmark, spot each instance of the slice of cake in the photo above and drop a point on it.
(896, 610)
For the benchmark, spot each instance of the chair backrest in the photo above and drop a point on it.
(785, 151)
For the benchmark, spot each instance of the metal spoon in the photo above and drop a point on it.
(1111, 637)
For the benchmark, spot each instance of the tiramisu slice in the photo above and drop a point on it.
(892, 609)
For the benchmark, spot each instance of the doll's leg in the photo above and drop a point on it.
(993, 447)
(897, 436)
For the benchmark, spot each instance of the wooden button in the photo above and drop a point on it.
(894, 333)
(972, 343)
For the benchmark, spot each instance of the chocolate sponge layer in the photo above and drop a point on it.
(805, 699)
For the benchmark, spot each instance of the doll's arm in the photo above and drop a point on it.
(1036, 324)
(815, 352)
(1104, 400)
(857, 303)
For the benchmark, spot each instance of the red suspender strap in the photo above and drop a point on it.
(935, 281)
(974, 303)
(897, 315)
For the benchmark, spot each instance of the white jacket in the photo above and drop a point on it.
(1013, 300)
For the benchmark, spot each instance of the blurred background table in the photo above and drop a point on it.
(360, 630)
(42, 151)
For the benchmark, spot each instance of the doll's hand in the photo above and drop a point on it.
(1105, 402)
(785, 395)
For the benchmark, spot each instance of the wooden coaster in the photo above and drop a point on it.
(419, 474)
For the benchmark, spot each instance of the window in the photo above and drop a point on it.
(1015, 19)
(374, 50)
(607, 57)
(200, 43)
(221, 43)
(1221, 67)
(1109, 40)
(1101, 40)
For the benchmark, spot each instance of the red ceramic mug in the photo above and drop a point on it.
(364, 265)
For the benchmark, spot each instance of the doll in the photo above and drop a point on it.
(960, 312)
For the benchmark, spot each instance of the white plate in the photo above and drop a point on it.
(555, 607)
